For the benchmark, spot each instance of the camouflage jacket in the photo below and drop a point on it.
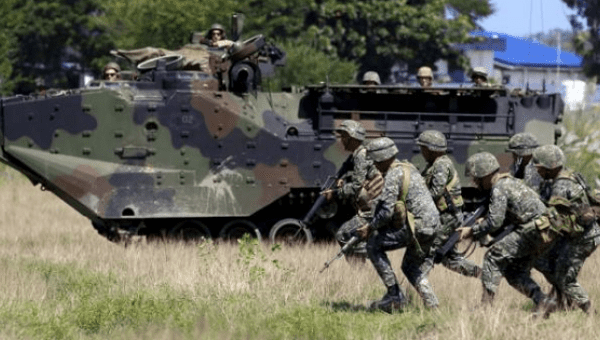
(355, 177)
(440, 174)
(531, 177)
(511, 201)
(418, 200)
(566, 186)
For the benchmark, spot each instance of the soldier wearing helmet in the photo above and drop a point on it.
(425, 76)
(562, 263)
(510, 202)
(405, 216)
(111, 72)
(521, 145)
(349, 184)
(216, 36)
(371, 78)
(479, 76)
(443, 183)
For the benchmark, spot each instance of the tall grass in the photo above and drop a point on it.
(61, 280)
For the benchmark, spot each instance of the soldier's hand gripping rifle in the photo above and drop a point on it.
(354, 240)
(441, 252)
(328, 185)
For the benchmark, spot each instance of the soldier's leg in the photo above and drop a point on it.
(416, 267)
(358, 253)
(377, 244)
(458, 263)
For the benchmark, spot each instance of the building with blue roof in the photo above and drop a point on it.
(518, 62)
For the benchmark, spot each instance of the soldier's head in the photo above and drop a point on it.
(548, 160)
(352, 134)
(216, 33)
(479, 75)
(425, 76)
(112, 71)
(433, 144)
(383, 152)
(521, 145)
(371, 78)
(482, 167)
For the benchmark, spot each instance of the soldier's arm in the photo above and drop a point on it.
(358, 175)
(438, 180)
(496, 214)
(384, 210)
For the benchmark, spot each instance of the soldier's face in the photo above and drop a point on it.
(216, 35)
(478, 80)
(425, 81)
(111, 74)
(345, 137)
(548, 173)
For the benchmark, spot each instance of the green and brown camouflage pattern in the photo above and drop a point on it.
(177, 145)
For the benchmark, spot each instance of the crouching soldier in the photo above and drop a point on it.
(350, 184)
(405, 216)
(521, 145)
(443, 183)
(511, 201)
(562, 264)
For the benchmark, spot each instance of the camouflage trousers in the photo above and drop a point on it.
(513, 257)
(348, 229)
(416, 264)
(453, 260)
(561, 265)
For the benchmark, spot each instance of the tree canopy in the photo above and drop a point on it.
(588, 45)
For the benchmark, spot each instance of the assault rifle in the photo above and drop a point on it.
(441, 252)
(329, 183)
(354, 240)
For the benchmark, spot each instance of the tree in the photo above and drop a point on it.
(588, 44)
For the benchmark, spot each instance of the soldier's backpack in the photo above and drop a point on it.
(585, 215)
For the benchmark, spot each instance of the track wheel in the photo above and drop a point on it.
(190, 231)
(236, 229)
(290, 231)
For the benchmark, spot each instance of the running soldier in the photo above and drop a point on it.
(562, 264)
(512, 256)
(443, 182)
(521, 145)
(350, 184)
(405, 216)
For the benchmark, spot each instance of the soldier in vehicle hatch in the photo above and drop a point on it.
(405, 216)
(350, 185)
(425, 76)
(562, 264)
(216, 37)
(479, 77)
(511, 201)
(443, 182)
(371, 78)
(521, 145)
(111, 72)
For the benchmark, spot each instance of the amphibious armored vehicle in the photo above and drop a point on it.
(207, 154)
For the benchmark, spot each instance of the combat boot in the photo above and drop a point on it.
(393, 300)
(487, 298)
(586, 307)
(544, 308)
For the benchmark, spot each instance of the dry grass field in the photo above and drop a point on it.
(61, 280)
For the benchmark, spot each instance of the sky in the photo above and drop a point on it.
(522, 17)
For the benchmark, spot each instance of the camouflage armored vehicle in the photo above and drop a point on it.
(207, 154)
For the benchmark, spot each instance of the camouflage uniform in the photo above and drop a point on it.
(531, 177)
(522, 145)
(437, 176)
(563, 263)
(511, 201)
(353, 181)
(388, 235)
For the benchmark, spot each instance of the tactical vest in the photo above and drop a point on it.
(371, 188)
(403, 217)
(457, 200)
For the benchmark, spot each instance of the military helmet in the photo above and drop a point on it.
(425, 72)
(433, 140)
(353, 128)
(479, 71)
(217, 27)
(481, 164)
(381, 149)
(522, 144)
(112, 65)
(548, 156)
(371, 76)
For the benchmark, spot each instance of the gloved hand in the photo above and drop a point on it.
(364, 231)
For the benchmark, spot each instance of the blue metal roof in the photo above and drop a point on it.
(522, 52)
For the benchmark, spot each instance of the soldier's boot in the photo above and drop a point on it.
(544, 305)
(393, 300)
(586, 307)
(487, 298)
